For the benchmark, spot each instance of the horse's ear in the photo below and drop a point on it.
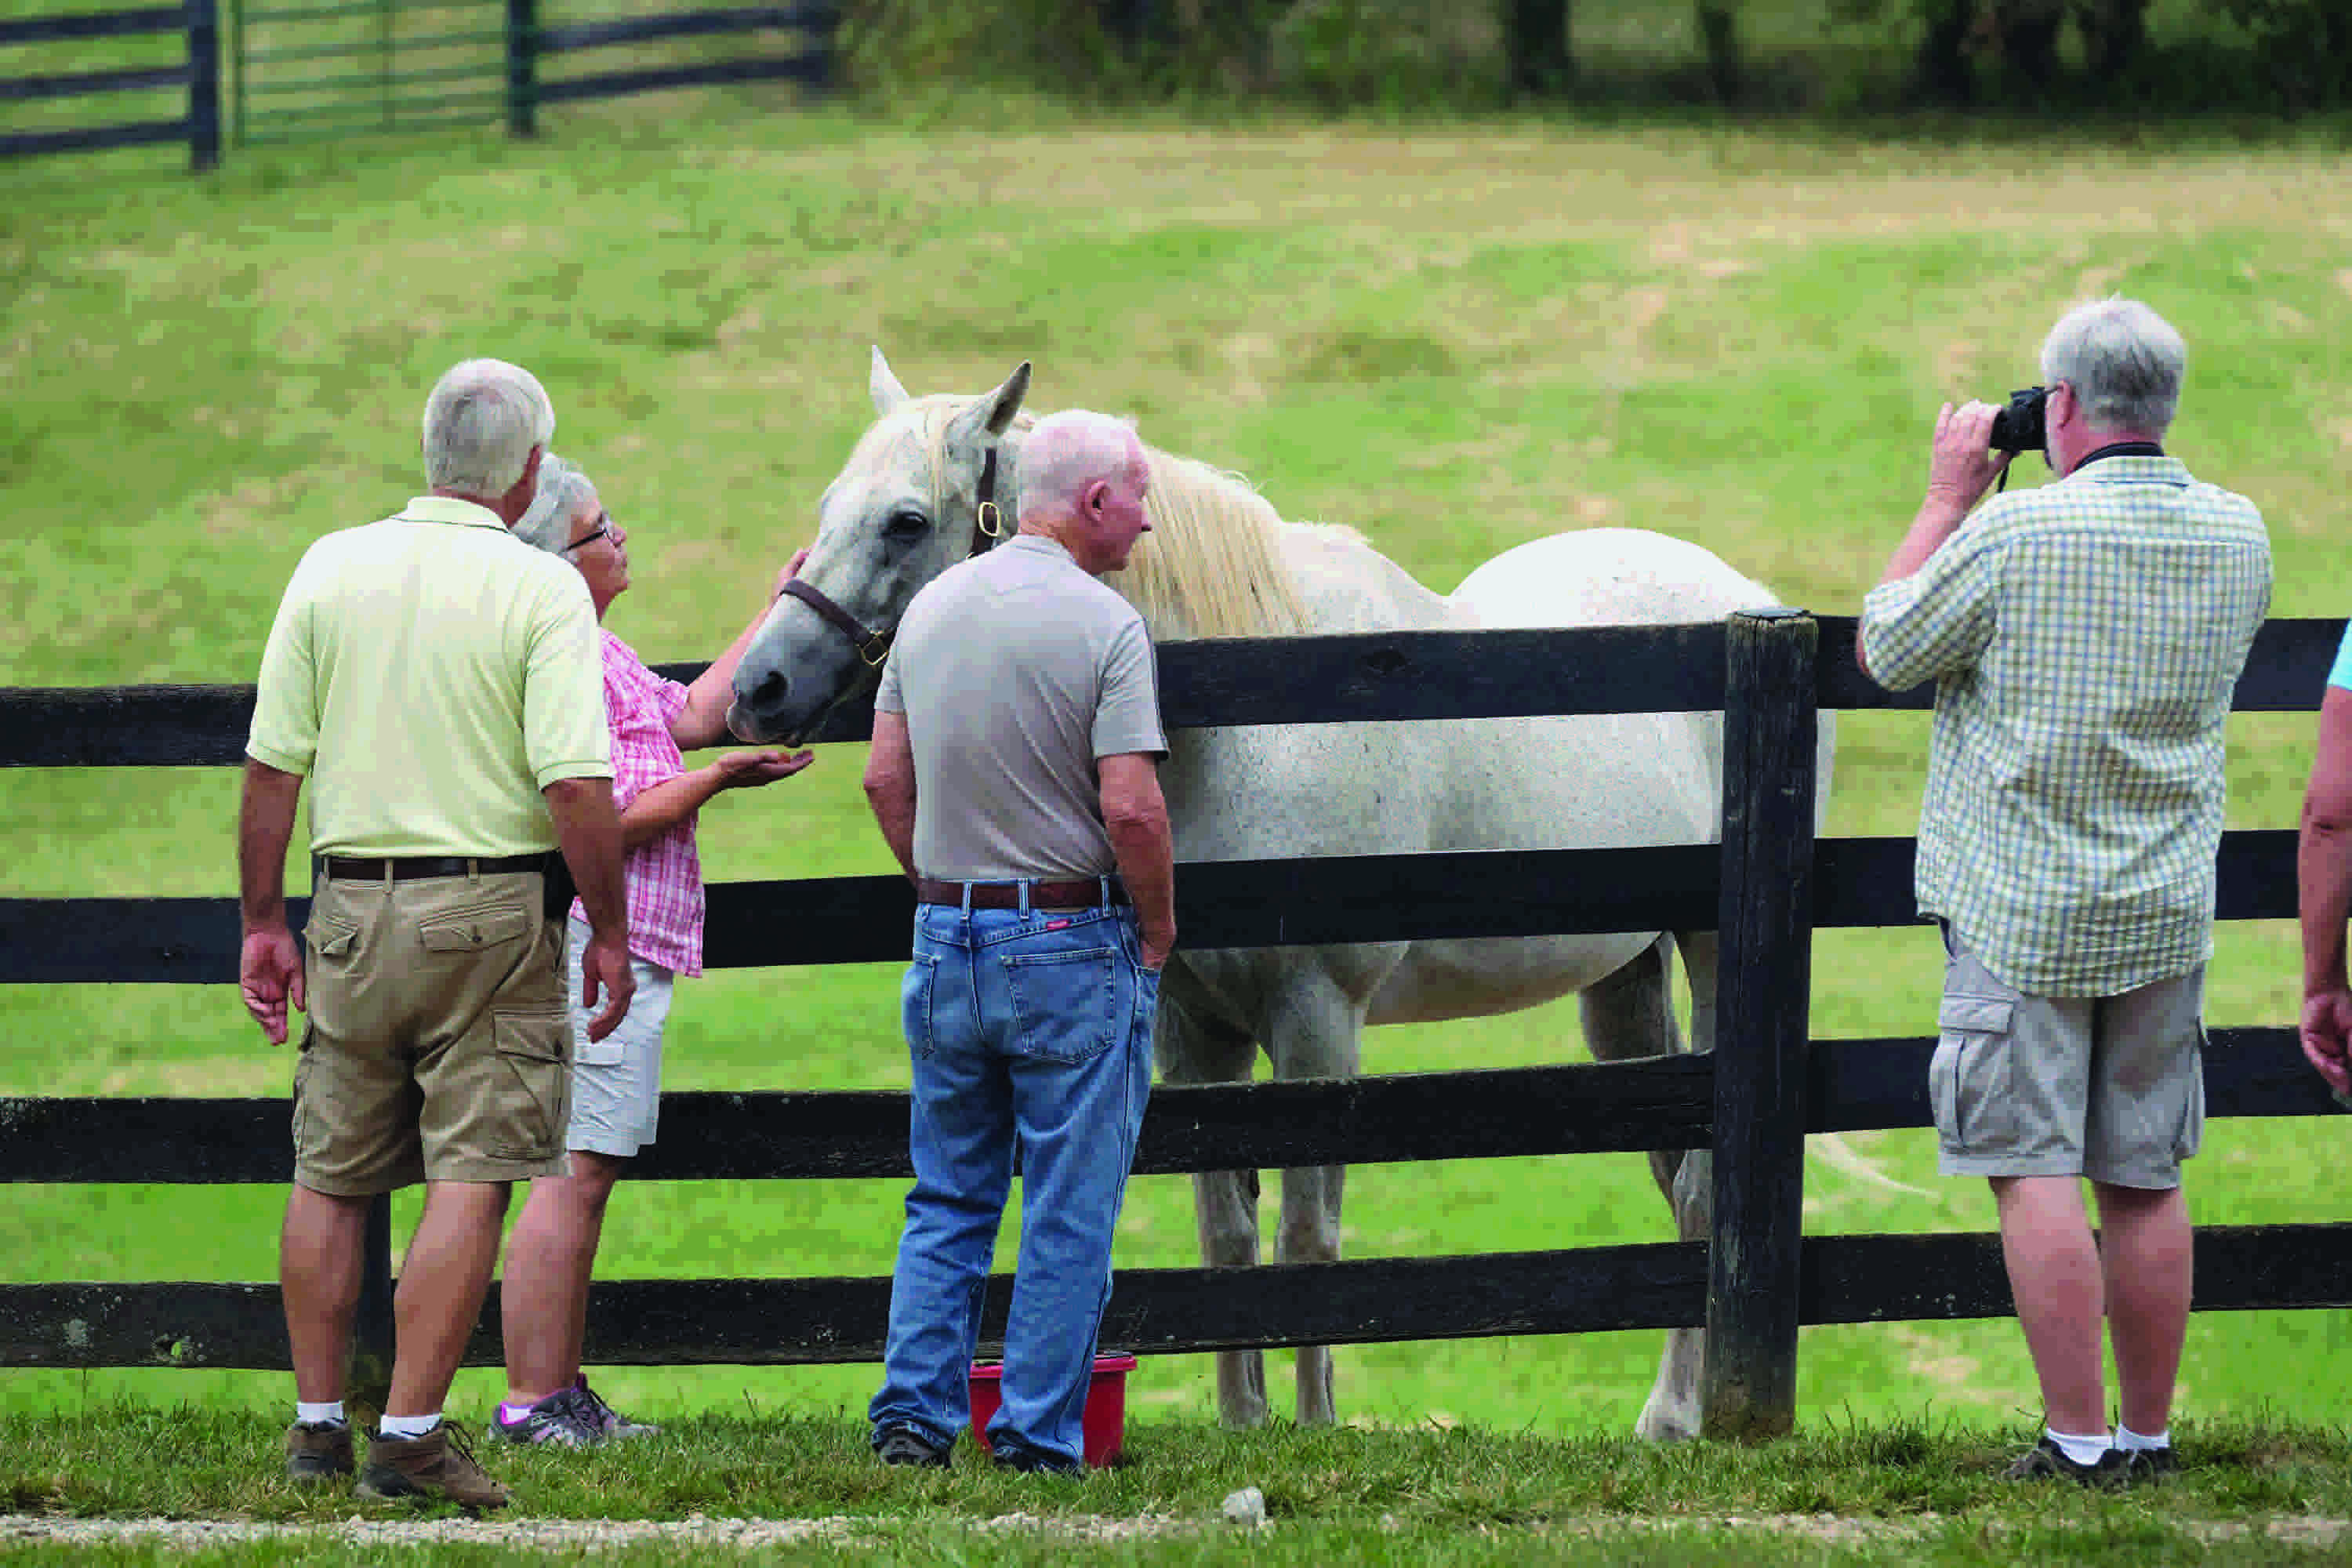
(993, 414)
(882, 387)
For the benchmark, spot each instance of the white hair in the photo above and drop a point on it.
(547, 525)
(2123, 360)
(1067, 451)
(480, 423)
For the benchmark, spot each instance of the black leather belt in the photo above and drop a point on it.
(1074, 895)
(409, 867)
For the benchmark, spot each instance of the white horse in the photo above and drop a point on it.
(1219, 562)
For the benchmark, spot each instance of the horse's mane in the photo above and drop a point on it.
(1211, 566)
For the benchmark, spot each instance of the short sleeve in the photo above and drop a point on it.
(285, 731)
(564, 728)
(2342, 674)
(1127, 717)
(888, 699)
(1934, 622)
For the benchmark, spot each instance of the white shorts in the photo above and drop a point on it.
(617, 1081)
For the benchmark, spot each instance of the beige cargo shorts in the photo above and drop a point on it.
(436, 1045)
(2111, 1088)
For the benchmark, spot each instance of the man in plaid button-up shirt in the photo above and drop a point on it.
(2085, 638)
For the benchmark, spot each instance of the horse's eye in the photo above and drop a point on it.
(905, 526)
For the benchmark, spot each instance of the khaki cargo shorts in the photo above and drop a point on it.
(436, 1045)
(2112, 1088)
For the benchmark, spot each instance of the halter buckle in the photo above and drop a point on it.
(992, 520)
(874, 650)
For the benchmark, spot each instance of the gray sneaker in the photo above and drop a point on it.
(611, 1421)
(562, 1418)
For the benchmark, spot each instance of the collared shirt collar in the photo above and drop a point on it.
(1038, 543)
(450, 508)
(2136, 466)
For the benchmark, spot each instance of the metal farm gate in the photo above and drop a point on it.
(333, 68)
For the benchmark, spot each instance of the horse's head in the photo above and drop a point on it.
(905, 507)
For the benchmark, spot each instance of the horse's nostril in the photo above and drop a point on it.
(768, 689)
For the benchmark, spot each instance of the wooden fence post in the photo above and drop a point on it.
(370, 1380)
(1749, 1390)
(203, 84)
(522, 67)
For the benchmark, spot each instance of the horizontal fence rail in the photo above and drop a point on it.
(1858, 882)
(1356, 677)
(1166, 1311)
(1664, 1102)
(197, 21)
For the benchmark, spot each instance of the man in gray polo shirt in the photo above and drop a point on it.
(1014, 774)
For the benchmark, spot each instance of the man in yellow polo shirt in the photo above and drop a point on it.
(437, 681)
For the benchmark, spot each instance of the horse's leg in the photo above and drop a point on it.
(1193, 1049)
(1674, 1411)
(1313, 1033)
(1627, 1013)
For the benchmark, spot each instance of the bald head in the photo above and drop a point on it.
(1083, 476)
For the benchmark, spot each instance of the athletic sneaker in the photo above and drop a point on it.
(437, 1467)
(2151, 1467)
(562, 1418)
(1010, 1455)
(901, 1444)
(317, 1451)
(609, 1421)
(2046, 1461)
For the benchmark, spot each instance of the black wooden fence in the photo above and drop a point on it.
(200, 127)
(317, 69)
(1767, 890)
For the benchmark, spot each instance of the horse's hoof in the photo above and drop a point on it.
(1666, 1425)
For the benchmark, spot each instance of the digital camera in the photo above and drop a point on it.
(2019, 427)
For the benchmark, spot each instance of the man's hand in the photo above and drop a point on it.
(748, 770)
(1156, 946)
(1961, 463)
(2327, 1036)
(269, 973)
(604, 967)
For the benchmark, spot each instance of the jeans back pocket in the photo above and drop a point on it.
(1065, 1003)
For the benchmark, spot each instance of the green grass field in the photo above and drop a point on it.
(1454, 336)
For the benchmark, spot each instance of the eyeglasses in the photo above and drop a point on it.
(603, 529)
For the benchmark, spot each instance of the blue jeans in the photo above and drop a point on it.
(1027, 1027)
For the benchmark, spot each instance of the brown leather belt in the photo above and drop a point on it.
(1086, 895)
(408, 867)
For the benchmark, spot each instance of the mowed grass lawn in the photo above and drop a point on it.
(1456, 337)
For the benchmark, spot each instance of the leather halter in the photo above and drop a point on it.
(987, 530)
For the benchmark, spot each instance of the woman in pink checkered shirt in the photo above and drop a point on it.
(616, 1083)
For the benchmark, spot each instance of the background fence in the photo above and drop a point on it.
(1766, 888)
(197, 21)
(312, 69)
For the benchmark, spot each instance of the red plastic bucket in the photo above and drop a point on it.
(1104, 1425)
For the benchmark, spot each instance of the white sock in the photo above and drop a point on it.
(322, 1413)
(407, 1426)
(2082, 1450)
(2132, 1442)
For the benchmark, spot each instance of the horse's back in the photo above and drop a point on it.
(1607, 576)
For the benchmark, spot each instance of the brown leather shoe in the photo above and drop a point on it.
(435, 1467)
(319, 1453)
